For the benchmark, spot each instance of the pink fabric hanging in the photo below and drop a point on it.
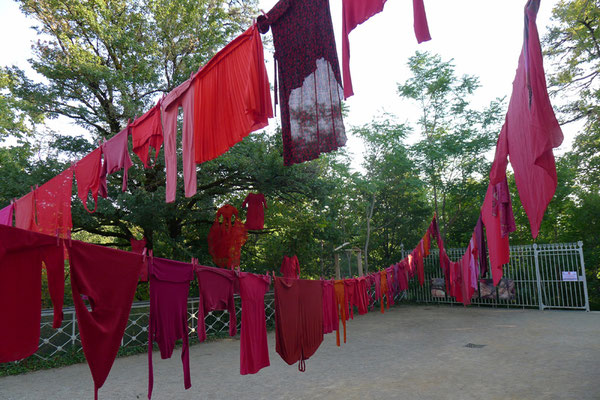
(25, 212)
(116, 158)
(530, 130)
(355, 12)
(497, 244)
(6, 215)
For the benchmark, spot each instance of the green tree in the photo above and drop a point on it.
(453, 137)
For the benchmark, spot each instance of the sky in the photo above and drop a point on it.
(483, 38)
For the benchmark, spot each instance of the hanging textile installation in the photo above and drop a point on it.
(6, 215)
(309, 77)
(107, 279)
(182, 96)
(87, 174)
(298, 319)
(226, 237)
(146, 132)
(232, 96)
(169, 287)
(21, 256)
(25, 212)
(53, 205)
(355, 12)
(116, 158)
(330, 315)
(254, 351)
(216, 287)
(256, 204)
(530, 130)
(290, 267)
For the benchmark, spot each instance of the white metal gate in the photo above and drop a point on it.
(544, 276)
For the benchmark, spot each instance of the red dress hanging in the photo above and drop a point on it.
(226, 237)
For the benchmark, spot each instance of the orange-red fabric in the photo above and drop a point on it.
(53, 205)
(232, 96)
(226, 237)
(146, 132)
(341, 306)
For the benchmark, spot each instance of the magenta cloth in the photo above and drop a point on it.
(108, 279)
(255, 218)
(502, 206)
(530, 130)
(116, 158)
(216, 287)
(169, 287)
(21, 256)
(182, 96)
(309, 77)
(53, 205)
(6, 215)
(362, 296)
(498, 245)
(290, 267)
(350, 296)
(330, 314)
(378, 294)
(146, 132)
(25, 212)
(420, 22)
(355, 12)
(298, 319)
(87, 173)
(254, 350)
(481, 244)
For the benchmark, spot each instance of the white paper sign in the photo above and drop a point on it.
(570, 276)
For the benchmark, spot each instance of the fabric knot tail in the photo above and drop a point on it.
(302, 365)
(95, 392)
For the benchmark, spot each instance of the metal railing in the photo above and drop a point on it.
(544, 276)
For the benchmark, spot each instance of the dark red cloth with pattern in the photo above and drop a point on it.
(303, 36)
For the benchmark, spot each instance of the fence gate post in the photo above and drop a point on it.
(583, 277)
(537, 276)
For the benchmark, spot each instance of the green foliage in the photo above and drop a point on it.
(450, 151)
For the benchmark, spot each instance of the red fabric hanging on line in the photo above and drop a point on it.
(355, 12)
(254, 351)
(255, 218)
(290, 267)
(146, 132)
(530, 130)
(226, 237)
(53, 205)
(497, 244)
(87, 174)
(309, 78)
(232, 96)
(21, 256)
(107, 278)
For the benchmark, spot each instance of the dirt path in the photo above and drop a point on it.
(411, 352)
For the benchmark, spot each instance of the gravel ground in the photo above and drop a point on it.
(411, 352)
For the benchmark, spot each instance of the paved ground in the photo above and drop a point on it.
(411, 352)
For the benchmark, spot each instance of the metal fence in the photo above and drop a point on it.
(544, 276)
(66, 338)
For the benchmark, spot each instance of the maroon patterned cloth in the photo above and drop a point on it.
(309, 78)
